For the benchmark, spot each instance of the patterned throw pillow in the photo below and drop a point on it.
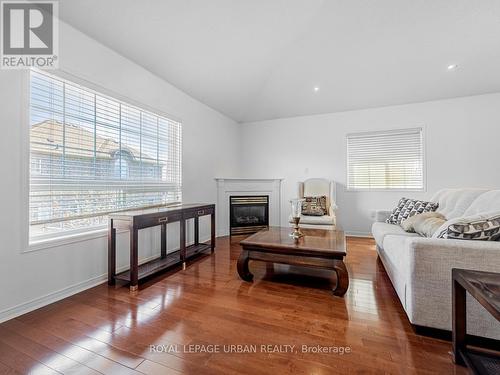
(483, 230)
(408, 207)
(314, 206)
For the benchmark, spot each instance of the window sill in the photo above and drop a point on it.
(354, 190)
(62, 240)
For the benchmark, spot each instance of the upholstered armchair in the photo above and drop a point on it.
(317, 187)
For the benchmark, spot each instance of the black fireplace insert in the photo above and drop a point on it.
(248, 213)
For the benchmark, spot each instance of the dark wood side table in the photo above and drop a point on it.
(135, 220)
(485, 288)
(318, 248)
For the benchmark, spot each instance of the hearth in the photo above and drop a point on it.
(248, 213)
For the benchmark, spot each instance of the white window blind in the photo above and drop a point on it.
(386, 160)
(91, 155)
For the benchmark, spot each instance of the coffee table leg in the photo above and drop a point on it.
(242, 266)
(342, 278)
(269, 268)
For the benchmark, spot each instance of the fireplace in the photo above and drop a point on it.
(248, 213)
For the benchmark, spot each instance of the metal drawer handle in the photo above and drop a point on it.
(163, 219)
(201, 212)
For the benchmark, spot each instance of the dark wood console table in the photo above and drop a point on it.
(485, 288)
(135, 220)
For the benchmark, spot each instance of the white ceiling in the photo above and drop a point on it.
(260, 59)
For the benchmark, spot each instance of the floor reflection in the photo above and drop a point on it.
(361, 296)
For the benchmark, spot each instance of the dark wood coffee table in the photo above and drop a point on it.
(318, 248)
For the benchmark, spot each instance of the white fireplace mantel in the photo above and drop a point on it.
(247, 186)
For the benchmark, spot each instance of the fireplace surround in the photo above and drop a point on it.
(248, 213)
(230, 186)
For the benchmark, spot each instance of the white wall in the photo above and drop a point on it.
(210, 143)
(461, 140)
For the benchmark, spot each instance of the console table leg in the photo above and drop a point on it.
(269, 268)
(342, 278)
(134, 260)
(242, 266)
(212, 229)
(459, 322)
(164, 240)
(111, 253)
(196, 230)
(182, 240)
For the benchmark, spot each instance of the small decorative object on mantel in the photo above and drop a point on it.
(296, 211)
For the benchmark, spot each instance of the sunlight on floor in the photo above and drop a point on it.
(362, 296)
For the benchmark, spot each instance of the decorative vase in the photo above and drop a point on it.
(296, 211)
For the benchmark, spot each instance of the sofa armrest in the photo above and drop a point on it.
(456, 249)
(429, 279)
(433, 258)
(332, 209)
(382, 215)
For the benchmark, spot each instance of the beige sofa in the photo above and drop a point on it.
(420, 268)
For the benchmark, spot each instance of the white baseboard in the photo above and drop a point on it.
(36, 303)
(358, 234)
(26, 307)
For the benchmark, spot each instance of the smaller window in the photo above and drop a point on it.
(386, 160)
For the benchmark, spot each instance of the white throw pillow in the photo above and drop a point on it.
(416, 220)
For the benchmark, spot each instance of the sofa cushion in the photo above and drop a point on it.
(486, 202)
(454, 203)
(318, 220)
(397, 264)
(409, 207)
(380, 230)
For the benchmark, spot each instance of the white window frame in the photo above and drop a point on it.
(424, 162)
(69, 236)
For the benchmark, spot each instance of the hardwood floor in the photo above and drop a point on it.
(108, 330)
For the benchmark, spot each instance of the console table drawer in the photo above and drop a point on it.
(198, 212)
(204, 211)
(146, 222)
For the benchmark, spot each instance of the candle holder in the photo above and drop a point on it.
(296, 211)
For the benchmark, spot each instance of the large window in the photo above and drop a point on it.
(385, 160)
(91, 155)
